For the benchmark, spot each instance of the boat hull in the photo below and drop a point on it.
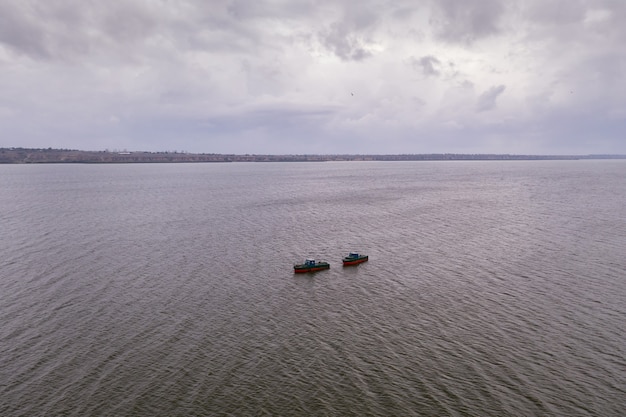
(355, 261)
(303, 269)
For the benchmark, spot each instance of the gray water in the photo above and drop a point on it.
(492, 289)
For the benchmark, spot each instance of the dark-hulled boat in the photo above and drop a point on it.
(354, 259)
(311, 265)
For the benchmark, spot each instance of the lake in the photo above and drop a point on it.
(493, 288)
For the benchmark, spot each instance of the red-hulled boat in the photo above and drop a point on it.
(310, 265)
(354, 259)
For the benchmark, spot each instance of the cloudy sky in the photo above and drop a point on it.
(315, 76)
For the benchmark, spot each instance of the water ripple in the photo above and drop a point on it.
(492, 289)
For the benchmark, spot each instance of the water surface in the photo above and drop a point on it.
(493, 289)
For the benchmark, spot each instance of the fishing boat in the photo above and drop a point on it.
(311, 265)
(354, 259)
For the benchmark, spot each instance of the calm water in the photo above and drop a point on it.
(493, 289)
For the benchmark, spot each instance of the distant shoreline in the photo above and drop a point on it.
(52, 156)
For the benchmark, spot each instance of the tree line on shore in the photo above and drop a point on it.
(50, 155)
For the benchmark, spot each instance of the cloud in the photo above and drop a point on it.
(350, 36)
(487, 100)
(464, 21)
(271, 76)
(429, 65)
(20, 30)
(343, 44)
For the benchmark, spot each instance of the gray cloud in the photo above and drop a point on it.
(21, 31)
(487, 100)
(343, 44)
(466, 20)
(428, 65)
(272, 76)
(348, 37)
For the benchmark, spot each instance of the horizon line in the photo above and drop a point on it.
(183, 152)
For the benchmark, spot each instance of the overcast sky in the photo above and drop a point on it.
(317, 76)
